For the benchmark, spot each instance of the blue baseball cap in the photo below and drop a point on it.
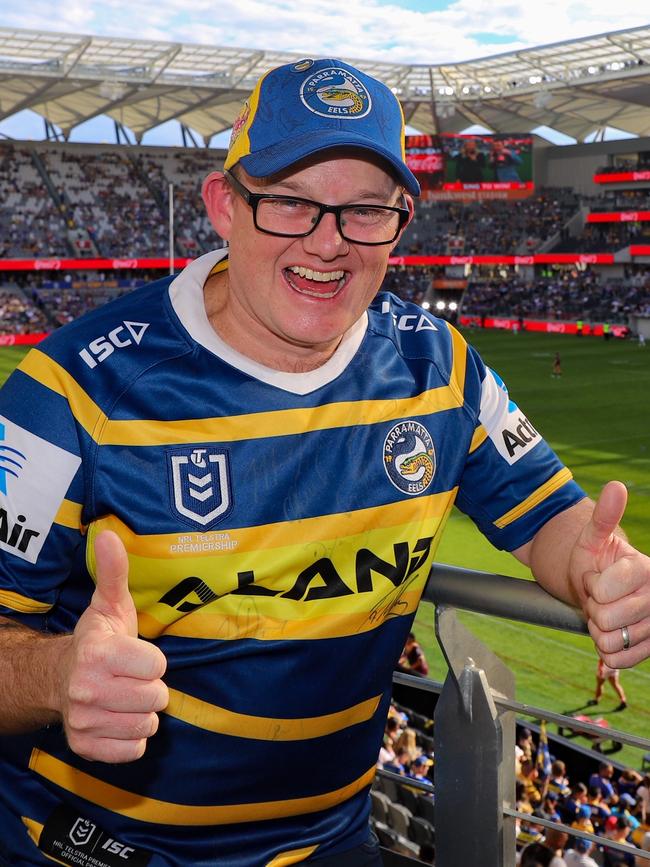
(303, 108)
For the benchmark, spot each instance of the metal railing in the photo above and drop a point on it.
(474, 720)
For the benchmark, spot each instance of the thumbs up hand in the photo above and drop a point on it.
(612, 581)
(111, 679)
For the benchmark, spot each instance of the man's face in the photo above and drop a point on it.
(290, 297)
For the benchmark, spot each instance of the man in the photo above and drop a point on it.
(602, 778)
(413, 660)
(546, 852)
(548, 808)
(617, 829)
(470, 162)
(579, 855)
(420, 769)
(504, 161)
(249, 468)
(610, 675)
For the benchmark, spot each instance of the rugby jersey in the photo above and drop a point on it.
(280, 529)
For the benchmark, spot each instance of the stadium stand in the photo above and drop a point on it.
(518, 227)
(93, 201)
(89, 200)
(31, 224)
(404, 817)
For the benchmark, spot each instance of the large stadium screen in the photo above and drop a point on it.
(488, 163)
(462, 166)
(425, 159)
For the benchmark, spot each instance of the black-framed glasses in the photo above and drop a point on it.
(293, 217)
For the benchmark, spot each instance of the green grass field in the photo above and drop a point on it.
(597, 417)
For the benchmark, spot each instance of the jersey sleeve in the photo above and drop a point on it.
(513, 482)
(41, 490)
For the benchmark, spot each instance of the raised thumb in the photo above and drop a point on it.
(112, 596)
(607, 514)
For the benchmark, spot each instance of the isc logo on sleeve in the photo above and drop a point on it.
(126, 334)
(506, 425)
(34, 478)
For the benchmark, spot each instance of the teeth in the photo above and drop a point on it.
(319, 276)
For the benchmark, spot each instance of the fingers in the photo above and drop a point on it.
(109, 716)
(93, 723)
(626, 576)
(610, 644)
(607, 514)
(112, 597)
(121, 656)
(109, 737)
(618, 598)
(120, 695)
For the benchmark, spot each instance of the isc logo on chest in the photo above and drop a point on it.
(101, 347)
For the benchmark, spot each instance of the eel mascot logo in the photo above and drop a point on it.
(409, 457)
(336, 93)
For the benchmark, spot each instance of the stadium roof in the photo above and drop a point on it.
(577, 87)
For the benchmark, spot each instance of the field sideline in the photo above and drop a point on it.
(597, 417)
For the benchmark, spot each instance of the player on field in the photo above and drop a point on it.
(605, 674)
(220, 498)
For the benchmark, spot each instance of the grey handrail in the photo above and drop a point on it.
(500, 596)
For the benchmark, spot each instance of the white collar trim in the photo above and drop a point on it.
(186, 295)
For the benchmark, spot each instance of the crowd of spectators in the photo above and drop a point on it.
(107, 196)
(109, 202)
(409, 284)
(612, 804)
(39, 301)
(403, 815)
(20, 315)
(114, 202)
(185, 170)
(493, 226)
(621, 200)
(605, 238)
(31, 224)
(49, 300)
(564, 295)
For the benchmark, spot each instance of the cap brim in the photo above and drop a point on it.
(272, 160)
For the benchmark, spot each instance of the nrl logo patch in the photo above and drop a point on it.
(200, 484)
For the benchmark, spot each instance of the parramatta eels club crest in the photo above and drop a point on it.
(200, 483)
(335, 92)
(409, 457)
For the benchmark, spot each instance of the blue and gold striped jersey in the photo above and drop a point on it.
(280, 528)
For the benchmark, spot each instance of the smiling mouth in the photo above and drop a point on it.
(316, 284)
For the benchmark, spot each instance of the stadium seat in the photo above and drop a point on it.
(387, 837)
(380, 805)
(419, 721)
(426, 809)
(421, 831)
(400, 819)
(391, 788)
(409, 798)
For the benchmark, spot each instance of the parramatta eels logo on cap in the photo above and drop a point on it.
(335, 92)
(409, 457)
